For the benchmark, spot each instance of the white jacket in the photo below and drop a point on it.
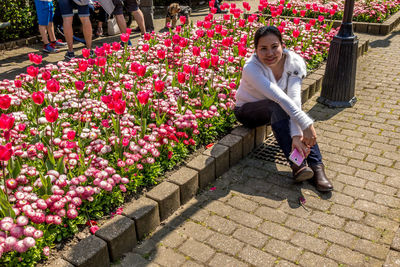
(258, 83)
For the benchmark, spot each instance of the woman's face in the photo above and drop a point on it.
(269, 50)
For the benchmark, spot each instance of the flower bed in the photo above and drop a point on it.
(79, 136)
(364, 11)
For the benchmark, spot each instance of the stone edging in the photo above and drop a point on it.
(120, 234)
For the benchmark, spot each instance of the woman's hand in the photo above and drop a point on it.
(298, 143)
(309, 136)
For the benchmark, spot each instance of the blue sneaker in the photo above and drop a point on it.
(49, 48)
(58, 44)
(69, 55)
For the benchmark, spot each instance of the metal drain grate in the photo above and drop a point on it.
(270, 151)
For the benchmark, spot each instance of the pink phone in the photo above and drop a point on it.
(296, 157)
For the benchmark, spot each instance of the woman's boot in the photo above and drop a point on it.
(320, 180)
(302, 172)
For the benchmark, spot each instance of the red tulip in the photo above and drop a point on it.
(161, 54)
(312, 22)
(195, 51)
(86, 53)
(46, 75)
(145, 48)
(36, 59)
(6, 122)
(5, 102)
(51, 114)
(119, 107)
(204, 63)
(116, 46)
(79, 85)
(141, 70)
(167, 42)
(159, 86)
(18, 83)
(128, 30)
(143, 97)
(71, 135)
(296, 21)
(243, 50)
(38, 97)
(182, 19)
(210, 33)
(302, 13)
(100, 61)
(321, 18)
(116, 95)
(6, 152)
(214, 61)
(296, 33)
(181, 77)
(125, 37)
(183, 42)
(53, 85)
(32, 71)
(83, 65)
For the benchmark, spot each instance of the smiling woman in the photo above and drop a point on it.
(269, 93)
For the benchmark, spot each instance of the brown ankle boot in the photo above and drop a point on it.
(302, 172)
(320, 180)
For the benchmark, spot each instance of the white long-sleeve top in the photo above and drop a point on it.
(258, 83)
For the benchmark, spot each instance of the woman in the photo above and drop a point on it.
(270, 93)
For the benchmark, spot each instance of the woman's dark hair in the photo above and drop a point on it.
(264, 31)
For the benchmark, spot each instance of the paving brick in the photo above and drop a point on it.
(302, 225)
(275, 230)
(396, 241)
(392, 259)
(327, 219)
(221, 155)
(271, 214)
(60, 263)
(351, 180)
(145, 213)
(287, 208)
(191, 264)
(224, 260)
(311, 259)
(381, 223)
(248, 136)
(342, 199)
(352, 154)
(244, 218)
(358, 141)
(167, 196)
(242, 203)
(376, 250)
(220, 224)
(234, 143)
(386, 200)
(337, 236)
(360, 164)
(393, 181)
(263, 199)
(362, 231)
(358, 192)
(205, 166)
(256, 257)
(168, 257)
(308, 242)
(219, 208)
(250, 236)
(371, 176)
(283, 249)
(340, 168)
(225, 243)
(345, 255)
(120, 235)
(347, 212)
(380, 188)
(91, 251)
(188, 181)
(146, 246)
(132, 259)
(197, 250)
(379, 160)
(195, 230)
(173, 239)
(371, 207)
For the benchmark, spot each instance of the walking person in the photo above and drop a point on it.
(133, 7)
(45, 14)
(66, 7)
(270, 93)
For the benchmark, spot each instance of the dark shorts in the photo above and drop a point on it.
(67, 6)
(131, 5)
(44, 11)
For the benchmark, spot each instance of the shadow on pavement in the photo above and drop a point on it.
(384, 42)
(321, 112)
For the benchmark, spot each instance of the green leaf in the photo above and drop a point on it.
(60, 165)
(16, 168)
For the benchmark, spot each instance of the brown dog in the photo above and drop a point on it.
(175, 11)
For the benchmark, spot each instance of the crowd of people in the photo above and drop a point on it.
(45, 13)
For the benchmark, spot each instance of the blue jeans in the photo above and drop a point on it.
(267, 112)
(67, 6)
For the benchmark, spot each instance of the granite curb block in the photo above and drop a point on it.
(360, 27)
(145, 214)
(120, 235)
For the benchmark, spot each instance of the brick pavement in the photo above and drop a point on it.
(253, 218)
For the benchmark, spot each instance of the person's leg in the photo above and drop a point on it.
(315, 157)
(67, 14)
(43, 20)
(121, 22)
(137, 14)
(43, 34)
(84, 14)
(50, 30)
